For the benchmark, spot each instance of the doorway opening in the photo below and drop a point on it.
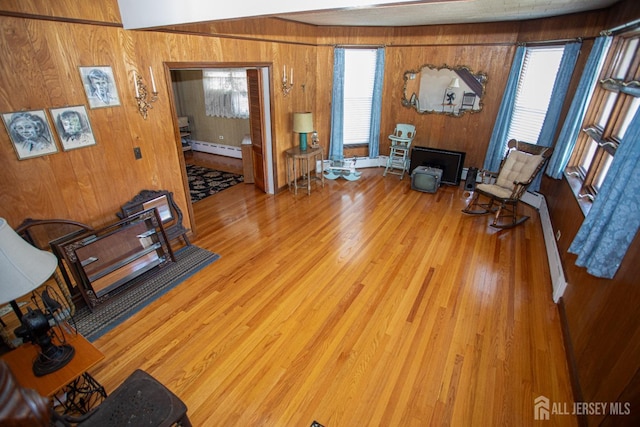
(221, 139)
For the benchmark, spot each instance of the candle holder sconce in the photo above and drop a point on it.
(287, 85)
(144, 98)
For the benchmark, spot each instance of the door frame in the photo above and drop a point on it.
(269, 160)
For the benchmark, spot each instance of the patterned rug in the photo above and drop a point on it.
(204, 182)
(138, 293)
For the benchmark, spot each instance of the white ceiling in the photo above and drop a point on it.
(449, 12)
(156, 13)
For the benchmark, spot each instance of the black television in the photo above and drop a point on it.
(451, 162)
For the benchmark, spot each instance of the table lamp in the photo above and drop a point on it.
(23, 268)
(303, 124)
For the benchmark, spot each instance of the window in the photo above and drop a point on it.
(360, 67)
(535, 86)
(611, 108)
(225, 93)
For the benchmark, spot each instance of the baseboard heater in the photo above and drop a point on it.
(558, 280)
(361, 162)
(219, 149)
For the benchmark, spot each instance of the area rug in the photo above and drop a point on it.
(204, 182)
(140, 292)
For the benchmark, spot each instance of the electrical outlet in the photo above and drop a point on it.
(137, 153)
(220, 136)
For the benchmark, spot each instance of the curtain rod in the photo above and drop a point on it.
(532, 43)
(359, 46)
(622, 28)
(557, 41)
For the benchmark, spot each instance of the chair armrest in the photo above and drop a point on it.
(519, 188)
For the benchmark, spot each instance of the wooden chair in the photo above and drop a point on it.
(169, 212)
(504, 189)
(139, 400)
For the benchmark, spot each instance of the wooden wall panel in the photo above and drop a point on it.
(105, 11)
(440, 35)
(470, 132)
(265, 29)
(600, 313)
(587, 24)
(89, 184)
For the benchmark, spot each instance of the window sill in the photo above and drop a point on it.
(576, 184)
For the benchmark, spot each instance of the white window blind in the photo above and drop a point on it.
(360, 67)
(537, 77)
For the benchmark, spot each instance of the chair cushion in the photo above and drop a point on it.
(496, 190)
(518, 166)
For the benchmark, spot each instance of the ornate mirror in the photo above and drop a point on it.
(444, 90)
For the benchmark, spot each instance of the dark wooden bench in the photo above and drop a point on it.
(169, 212)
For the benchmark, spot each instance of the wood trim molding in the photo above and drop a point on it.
(59, 19)
(571, 362)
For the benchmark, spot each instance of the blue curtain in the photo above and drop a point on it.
(573, 122)
(614, 219)
(495, 152)
(337, 106)
(558, 95)
(376, 106)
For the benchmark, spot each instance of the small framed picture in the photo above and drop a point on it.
(30, 133)
(100, 87)
(73, 127)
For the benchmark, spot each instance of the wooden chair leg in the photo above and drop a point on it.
(474, 207)
(512, 211)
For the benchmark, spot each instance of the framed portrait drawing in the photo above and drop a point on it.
(100, 86)
(30, 133)
(73, 127)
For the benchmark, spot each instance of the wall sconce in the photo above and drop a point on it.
(142, 95)
(303, 124)
(286, 88)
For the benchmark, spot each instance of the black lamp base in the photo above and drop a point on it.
(53, 358)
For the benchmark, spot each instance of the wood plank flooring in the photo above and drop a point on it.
(363, 304)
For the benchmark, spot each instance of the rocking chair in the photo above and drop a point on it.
(504, 189)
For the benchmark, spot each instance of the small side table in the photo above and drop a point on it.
(296, 156)
(82, 390)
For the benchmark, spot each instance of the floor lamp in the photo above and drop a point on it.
(303, 124)
(23, 269)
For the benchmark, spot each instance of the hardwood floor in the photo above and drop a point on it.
(365, 303)
(223, 163)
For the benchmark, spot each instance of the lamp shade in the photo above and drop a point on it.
(455, 82)
(23, 267)
(303, 122)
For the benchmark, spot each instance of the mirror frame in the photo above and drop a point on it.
(409, 103)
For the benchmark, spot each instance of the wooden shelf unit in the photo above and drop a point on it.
(185, 132)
